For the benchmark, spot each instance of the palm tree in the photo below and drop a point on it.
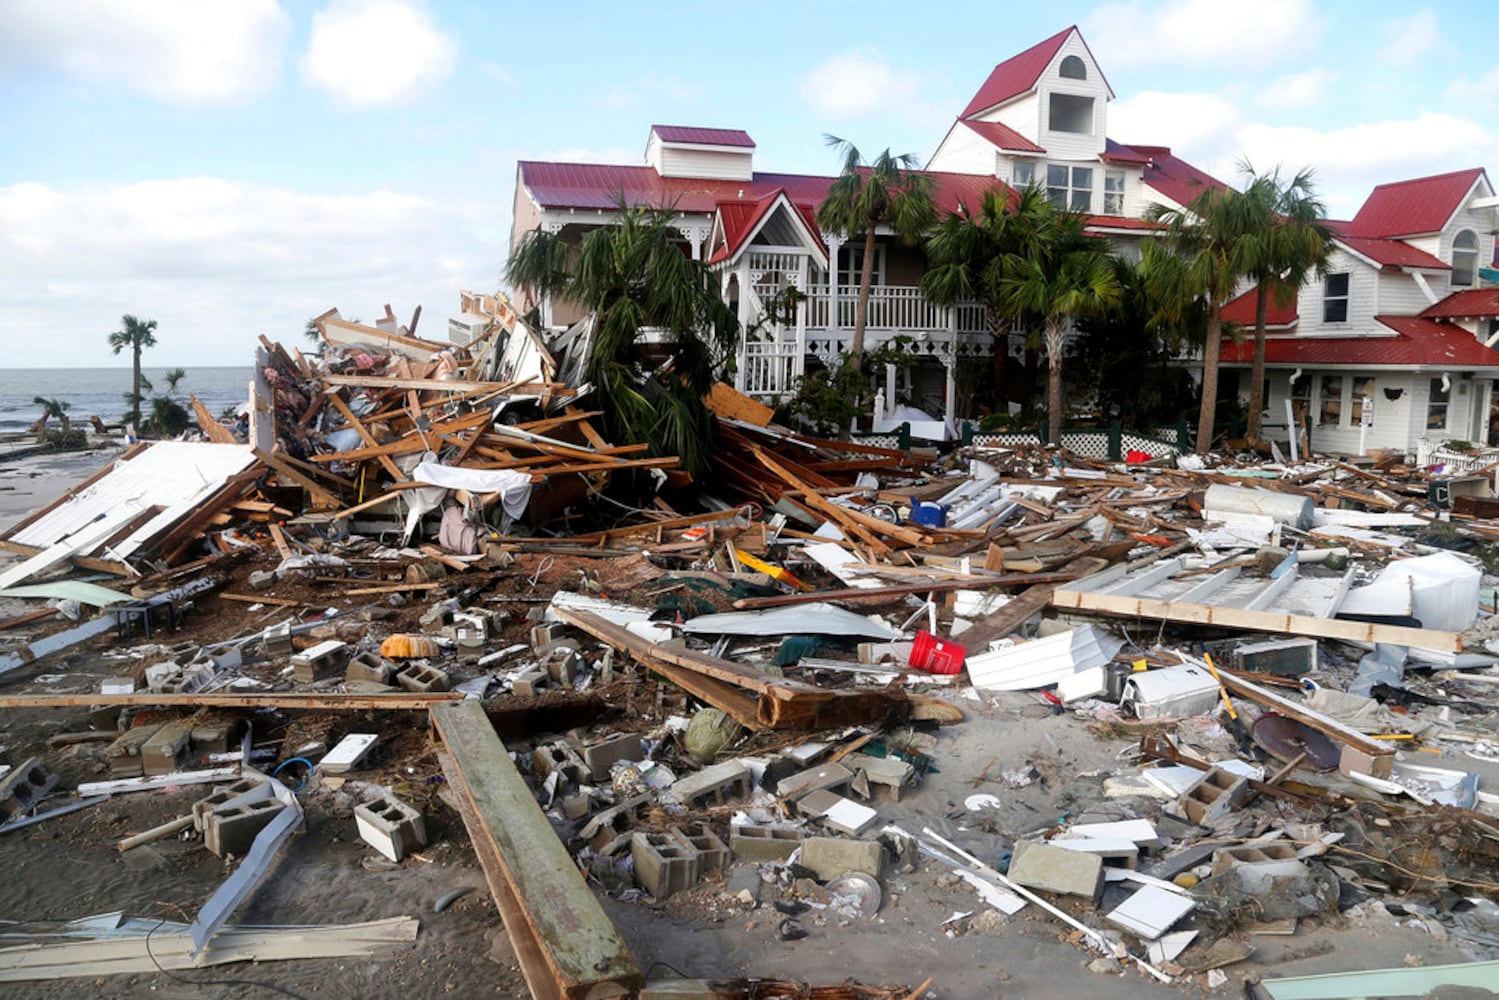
(1288, 243)
(886, 191)
(53, 409)
(167, 418)
(136, 335)
(1209, 235)
(1063, 275)
(173, 377)
(967, 252)
(633, 275)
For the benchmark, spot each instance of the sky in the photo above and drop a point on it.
(232, 168)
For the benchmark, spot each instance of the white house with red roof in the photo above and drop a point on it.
(1403, 319)
(1395, 346)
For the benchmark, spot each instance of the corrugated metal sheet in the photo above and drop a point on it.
(704, 136)
(1420, 205)
(1473, 302)
(1416, 342)
(1174, 177)
(1393, 253)
(1004, 137)
(1016, 75)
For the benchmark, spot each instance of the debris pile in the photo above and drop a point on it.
(1221, 704)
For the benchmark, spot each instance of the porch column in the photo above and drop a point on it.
(803, 282)
(742, 272)
(834, 244)
(950, 393)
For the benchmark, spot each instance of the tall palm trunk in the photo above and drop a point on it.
(999, 327)
(1257, 370)
(135, 388)
(861, 305)
(1210, 356)
(1055, 341)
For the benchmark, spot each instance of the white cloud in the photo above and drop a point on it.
(177, 50)
(1200, 33)
(1411, 39)
(1176, 120)
(218, 262)
(373, 52)
(860, 83)
(1482, 92)
(1297, 91)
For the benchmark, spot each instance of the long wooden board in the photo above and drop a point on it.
(572, 948)
(319, 702)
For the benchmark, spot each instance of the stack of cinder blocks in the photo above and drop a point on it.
(320, 662)
(232, 816)
(675, 860)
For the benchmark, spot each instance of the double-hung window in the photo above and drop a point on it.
(1070, 187)
(1437, 402)
(1113, 192)
(1335, 298)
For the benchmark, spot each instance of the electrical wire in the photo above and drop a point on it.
(213, 982)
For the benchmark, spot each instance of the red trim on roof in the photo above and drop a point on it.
(740, 218)
(1393, 253)
(1469, 304)
(1174, 177)
(1116, 152)
(1241, 311)
(1017, 74)
(1121, 222)
(694, 136)
(1409, 208)
(1415, 342)
(1004, 137)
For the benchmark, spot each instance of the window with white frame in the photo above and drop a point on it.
(851, 265)
(1113, 192)
(1335, 298)
(1070, 187)
(1438, 401)
(1464, 258)
(1330, 401)
(1022, 174)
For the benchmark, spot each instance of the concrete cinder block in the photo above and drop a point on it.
(710, 853)
(891, 772)
(216, 737)
(277, 639)
(814, 779)
(369, 666)
(605, 826)
(528, 684)
(559, 756)
(163, 752)
(837, 813)
(602, 755)
(662, 864)
(716, 785)
(763, 843)
(1216, 792)
(1252, 852)
(541, 638)
(320, 662)
(242, 792)
(421, 678)
(124, 754)
(233, 829)
(1054, 869)
(26, 785)
(561, 663)
(390, 826)
(830, 857)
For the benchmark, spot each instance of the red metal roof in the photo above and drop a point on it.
(1017, 74)
(704, 136)
(593, 186)
(1174, 177)
(1241, 311)
(1393, 253)
(1004, 137)
(1116, 152)
(1470, 303)
(1415, 342)
(1408, 208)
(739, 217)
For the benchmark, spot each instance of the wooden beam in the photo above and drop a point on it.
(82, 562)
(1002, 622)
(572, 950)
(211, 428)
(927, 587)
(279, 602)
(1359, 754)
(286, 700)
(366, 436)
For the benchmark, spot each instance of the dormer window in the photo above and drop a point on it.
(1070, 113)
(1072, 68)
(1464, 258)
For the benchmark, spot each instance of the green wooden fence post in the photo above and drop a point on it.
(1116, 441)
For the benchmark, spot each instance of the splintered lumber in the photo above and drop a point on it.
(566, 945)
(1003, 621)
(215, 431)
(781, 703)
(284, 700)
(366, 436)
(928, 587)
(1358, 753)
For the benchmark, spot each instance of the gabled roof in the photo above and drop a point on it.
(1019, 74)
(1003, 137)
(692, 136)
(1474, 302)
(1393, 253)
(1169, 174)
(1413, 207)
(1415, 342)
(1116, 152)
(739, 220)
(596, 186)
(1241, 311)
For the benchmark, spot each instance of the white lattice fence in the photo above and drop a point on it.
(1153, 447)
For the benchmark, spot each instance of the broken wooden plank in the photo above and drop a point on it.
(554, 915)
(218, 699)
(1359, 754)
(1007, 619)
(211, 428)
(277, 602)
(926, 587)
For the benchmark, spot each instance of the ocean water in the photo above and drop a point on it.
(102, 391)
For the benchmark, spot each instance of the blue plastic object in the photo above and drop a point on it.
(928, 514)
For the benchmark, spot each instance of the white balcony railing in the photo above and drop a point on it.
(766, 368)
(899, 308)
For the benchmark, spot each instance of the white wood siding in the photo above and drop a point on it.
(678, 161)
(1022, 114)
(1393, 421)
(1399, 295)
(1074, 145)
(963, 151)
(1363, 299)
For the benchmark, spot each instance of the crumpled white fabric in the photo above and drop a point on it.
(514, 486)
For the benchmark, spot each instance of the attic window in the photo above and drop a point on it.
(1464, 258)
(1071, 113)
(1072, 68)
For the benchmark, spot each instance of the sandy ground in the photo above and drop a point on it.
(68, 867)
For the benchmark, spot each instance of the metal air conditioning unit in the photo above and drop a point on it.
(465, 327)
